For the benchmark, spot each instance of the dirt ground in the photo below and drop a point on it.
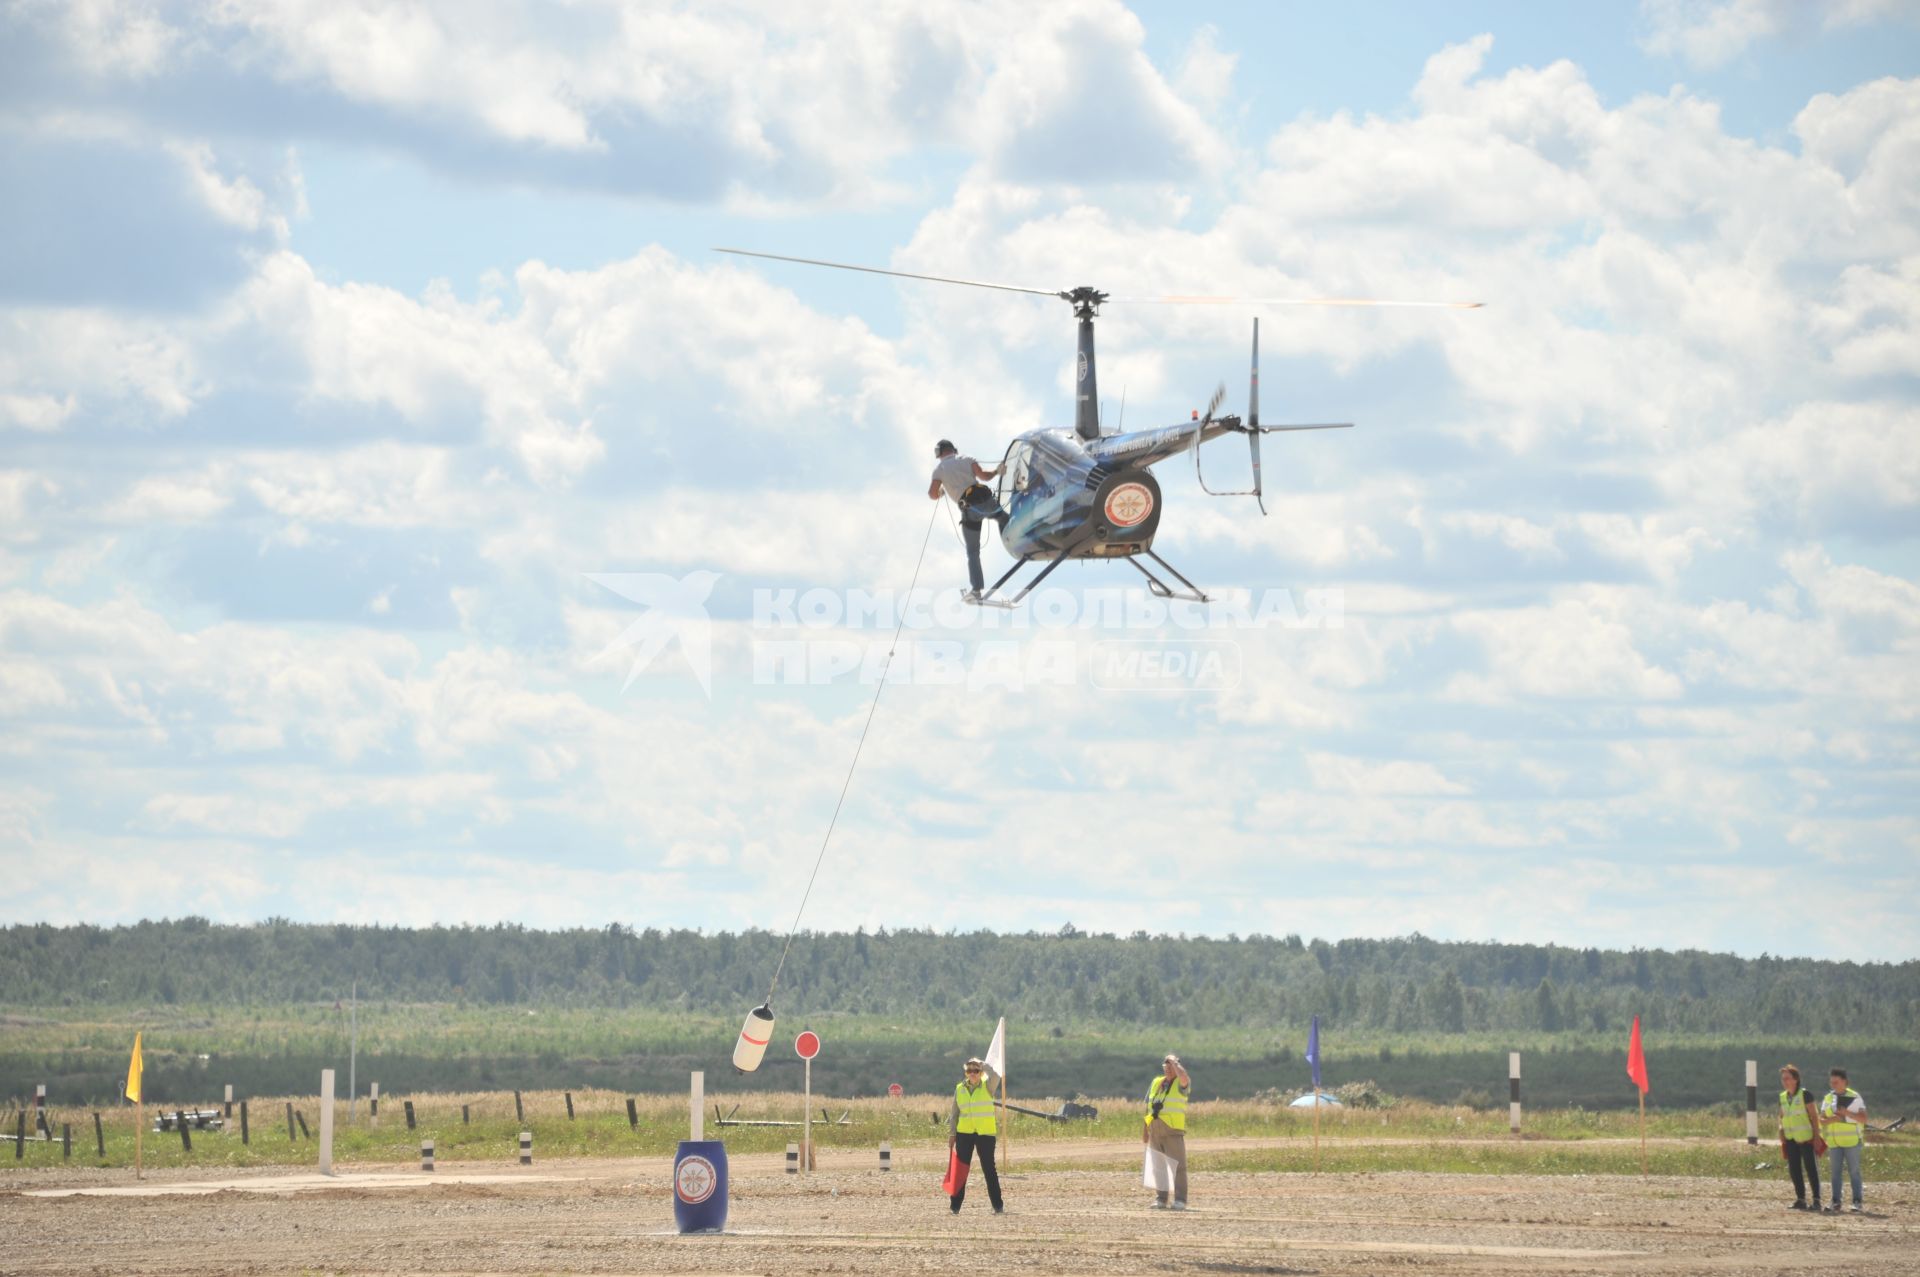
(848, 1218)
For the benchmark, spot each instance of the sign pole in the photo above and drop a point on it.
(1643, 1135)
(1316, 1130)
(1006, 1150)
(139, 1124)
(807, 1118)
(697, 1104)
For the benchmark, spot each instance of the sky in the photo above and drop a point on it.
(406, 517)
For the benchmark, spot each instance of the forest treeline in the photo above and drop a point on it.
(1405, 985)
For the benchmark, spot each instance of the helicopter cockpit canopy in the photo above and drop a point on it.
(1038, 464)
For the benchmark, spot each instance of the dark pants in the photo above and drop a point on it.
(964, 1144)
(970, 530)
(1798, 1155)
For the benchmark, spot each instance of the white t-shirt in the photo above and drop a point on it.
(954, 475)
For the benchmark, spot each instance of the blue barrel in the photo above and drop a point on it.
(700, 1186)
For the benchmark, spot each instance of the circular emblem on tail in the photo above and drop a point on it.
(1083, 365)
(1128, 505)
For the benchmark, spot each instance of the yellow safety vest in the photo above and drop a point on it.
(1841, 1131)
(1172, 1101)
(1794, 1122)
(976, 1110)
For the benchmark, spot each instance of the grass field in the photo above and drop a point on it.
(81, 1054)
(1411, 1136)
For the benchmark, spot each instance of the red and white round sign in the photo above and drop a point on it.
(807, 1045)
(1129, 504)
(695, 1179)
(896, 1090)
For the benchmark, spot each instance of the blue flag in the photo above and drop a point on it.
(1313, 1051)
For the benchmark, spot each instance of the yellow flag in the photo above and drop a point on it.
(135, 1067)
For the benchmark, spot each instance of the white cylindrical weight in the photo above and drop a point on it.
(754, 1036)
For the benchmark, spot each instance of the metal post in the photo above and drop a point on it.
(66, 1141)
(569, 1095)
(806, 1131)
(353, 1051)
(290, 1134)
(519, 1109)
(326, 1121)
(633, 1116)
(243, 1123)
(697, 1097)
(1513, 1091)
(1753, 1101)
(186, 1136)
(99, 1136)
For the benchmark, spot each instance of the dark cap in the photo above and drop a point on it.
(943, 447)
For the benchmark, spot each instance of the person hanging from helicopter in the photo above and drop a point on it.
(961, 478)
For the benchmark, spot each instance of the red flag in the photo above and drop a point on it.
(1637, 1059)
(956, 1174)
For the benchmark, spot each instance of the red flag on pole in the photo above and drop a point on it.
(1637, 1059)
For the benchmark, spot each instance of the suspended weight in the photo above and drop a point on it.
(754, 1036)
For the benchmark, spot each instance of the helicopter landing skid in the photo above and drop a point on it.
(1192, 594)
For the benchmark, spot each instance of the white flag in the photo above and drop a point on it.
(996, 1056)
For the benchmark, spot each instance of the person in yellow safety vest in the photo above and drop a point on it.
(1799, 1137)
(971, 1128)
(1165, 1133)
(1843, 1120)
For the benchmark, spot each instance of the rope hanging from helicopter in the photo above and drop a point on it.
(847, 783)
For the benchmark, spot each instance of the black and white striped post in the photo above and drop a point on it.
(1513, 1091)
(886, 1156)
(426, 1155)
(40, 1109)
(229, 1099)
(1753, 1101)
(373, 1103)
(526, 1148)
(793, 1159)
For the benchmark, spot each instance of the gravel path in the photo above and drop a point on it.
(616, 1217)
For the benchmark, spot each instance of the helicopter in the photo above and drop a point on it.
(1084, 493)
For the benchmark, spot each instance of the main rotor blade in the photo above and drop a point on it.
(898, 274)
(1291, 301)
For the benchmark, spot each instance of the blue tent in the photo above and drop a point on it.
(1306, 1101)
